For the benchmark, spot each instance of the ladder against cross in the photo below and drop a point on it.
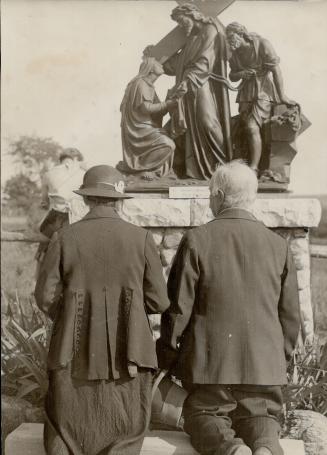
(175, 40)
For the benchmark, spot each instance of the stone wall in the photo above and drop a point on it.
(292, 218)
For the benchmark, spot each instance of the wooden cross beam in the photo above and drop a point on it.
(176, 39)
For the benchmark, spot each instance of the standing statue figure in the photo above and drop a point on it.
(147, 149)
(205, 102)
(255, 62)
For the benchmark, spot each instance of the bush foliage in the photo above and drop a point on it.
(307, 380)
(24, 350)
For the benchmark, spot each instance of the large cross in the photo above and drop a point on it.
(176, 39)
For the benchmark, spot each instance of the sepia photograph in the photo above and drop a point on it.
(164, 227)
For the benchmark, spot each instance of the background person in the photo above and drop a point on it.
(233, 322)
(99, 279)
(58, 195)
(59, 182)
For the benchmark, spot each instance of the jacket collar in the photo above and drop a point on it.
(235, 213)
(101, 211)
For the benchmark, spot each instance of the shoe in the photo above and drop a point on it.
(262, 451)
(241, 450)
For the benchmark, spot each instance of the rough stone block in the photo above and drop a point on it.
(27, 440)
(306, 313)
(301, 253)
(167, 256)
(156, 212)
(305, 304)
(311, 427)
(291, 212)
(303, 278)
(172, 238)
(273, 212)
(200, 212)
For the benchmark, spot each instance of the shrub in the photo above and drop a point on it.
(307, 381)
(24, 344)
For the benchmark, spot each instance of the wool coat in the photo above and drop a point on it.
(234, 314)
(99, 279)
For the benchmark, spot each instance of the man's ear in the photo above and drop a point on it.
(216, 202)
(220, 196)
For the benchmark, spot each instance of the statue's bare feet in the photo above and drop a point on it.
(148, 176)
(171, 175)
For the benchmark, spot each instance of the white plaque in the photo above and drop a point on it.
(189, 192)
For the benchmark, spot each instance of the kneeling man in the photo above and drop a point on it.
(233, 322)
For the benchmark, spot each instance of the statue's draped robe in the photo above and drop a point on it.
(257, 94)
(206, 105)
(146, 145)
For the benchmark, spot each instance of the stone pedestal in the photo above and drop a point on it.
(168, 219)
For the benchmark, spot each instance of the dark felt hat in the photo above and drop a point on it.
(103, 181)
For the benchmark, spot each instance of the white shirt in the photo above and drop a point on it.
(59, 184)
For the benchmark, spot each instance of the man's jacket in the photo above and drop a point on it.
(99, 279)
(234, 314)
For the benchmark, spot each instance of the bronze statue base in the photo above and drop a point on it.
(135, 184)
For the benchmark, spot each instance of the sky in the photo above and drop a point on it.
(66, 63)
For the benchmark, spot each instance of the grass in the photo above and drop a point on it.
(319, 234)
(18, 269)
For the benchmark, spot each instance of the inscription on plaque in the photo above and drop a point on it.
(189, 192)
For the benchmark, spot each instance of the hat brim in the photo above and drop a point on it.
(102, 192)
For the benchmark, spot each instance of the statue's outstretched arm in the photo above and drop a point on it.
(156, 108)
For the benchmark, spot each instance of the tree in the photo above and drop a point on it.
(34, 155)
(22, 191)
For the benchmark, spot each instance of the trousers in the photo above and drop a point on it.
(220, 417)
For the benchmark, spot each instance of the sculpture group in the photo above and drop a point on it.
(200, 133)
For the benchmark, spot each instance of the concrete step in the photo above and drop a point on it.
(27, 440)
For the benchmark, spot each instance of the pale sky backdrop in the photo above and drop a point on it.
(66, 64)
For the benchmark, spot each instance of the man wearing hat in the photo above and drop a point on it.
(99, 279)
